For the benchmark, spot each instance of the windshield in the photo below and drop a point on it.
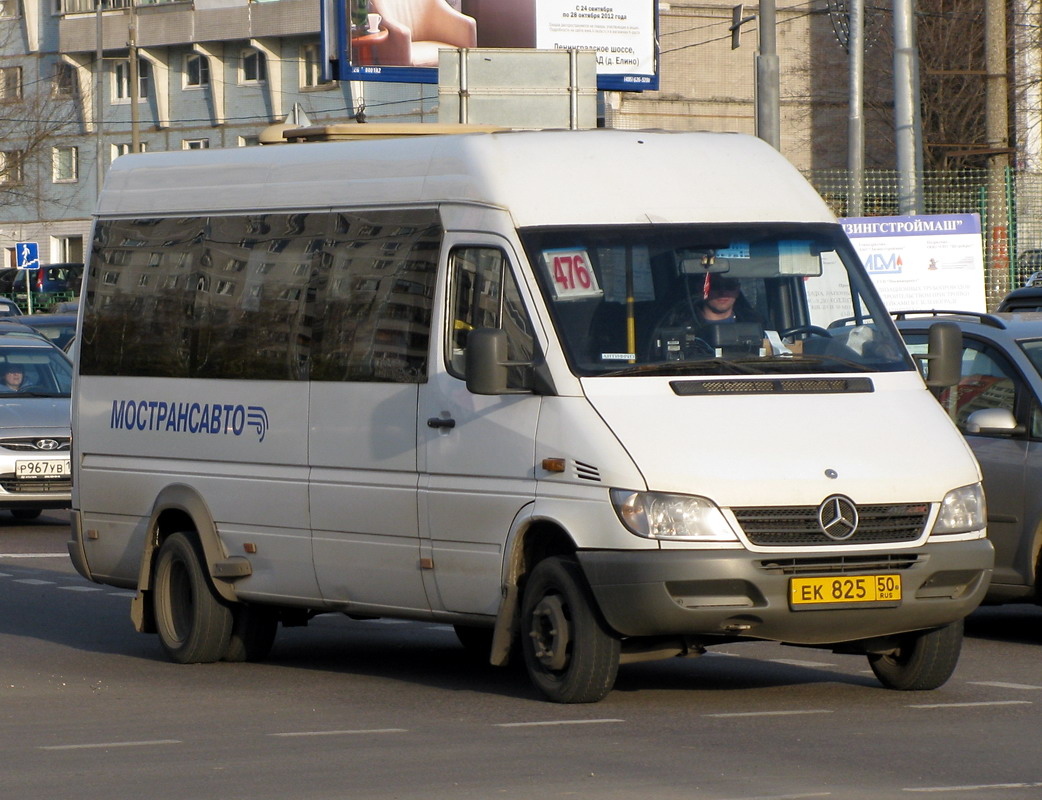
(34, 372)
(712, 300)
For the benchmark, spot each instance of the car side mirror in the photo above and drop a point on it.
(487, 364)
(993, 421)
(944, 355)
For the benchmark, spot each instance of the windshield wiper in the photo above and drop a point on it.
(800, 359)
(704, 366)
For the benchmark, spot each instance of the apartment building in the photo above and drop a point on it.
(209, 73)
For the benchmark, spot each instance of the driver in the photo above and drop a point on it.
(13, 377)
(722, 303)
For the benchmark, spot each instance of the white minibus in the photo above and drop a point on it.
(589, 397)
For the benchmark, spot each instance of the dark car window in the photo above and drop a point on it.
(988, 380)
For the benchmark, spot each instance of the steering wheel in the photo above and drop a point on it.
(813, 330)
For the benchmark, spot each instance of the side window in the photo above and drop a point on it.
(988, 380)
(484, 295)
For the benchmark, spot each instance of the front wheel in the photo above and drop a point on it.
(194, 626)
(570, 654)
(923, 660)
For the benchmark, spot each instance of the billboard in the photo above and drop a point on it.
(922, 262)
(398, 40)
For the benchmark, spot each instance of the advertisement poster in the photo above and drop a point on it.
(399, 40)
(923, 263)
(617, 30)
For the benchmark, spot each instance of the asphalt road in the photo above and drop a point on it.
(351, 709)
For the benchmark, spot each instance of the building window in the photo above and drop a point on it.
(64, 164)
(249, 141)
(8, 9)
(64, 82)
(10, 84)
(67, 249)
(123, 148)
(311, 67)
(197, 71)
(252, 67)
(195, 144)
(121, 80)
(11, 167)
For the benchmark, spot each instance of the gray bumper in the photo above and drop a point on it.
(729, 592)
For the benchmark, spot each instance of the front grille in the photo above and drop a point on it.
(832, 565)
(30, 444)
(12, 485)
(797, 526)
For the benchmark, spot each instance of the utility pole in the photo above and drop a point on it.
(768, 89)
(997, 133)
(99, 105)
(855, 112)
(907, 112)
(135, 77)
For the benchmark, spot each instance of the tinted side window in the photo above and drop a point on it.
(484, 295)
(329, 296)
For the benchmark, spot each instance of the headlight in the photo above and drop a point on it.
(655, 515)
(962, 510)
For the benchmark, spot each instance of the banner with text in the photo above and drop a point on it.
(921, 263)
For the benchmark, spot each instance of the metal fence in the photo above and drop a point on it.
(1009, 204)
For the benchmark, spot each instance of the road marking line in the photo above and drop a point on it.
(341, 733)
(81, 588)
(34, 555)
(555, 722)
(101, 745)
(34, 582)
(771, 713)
(974, 788)
(1002, 685)
(972, 705)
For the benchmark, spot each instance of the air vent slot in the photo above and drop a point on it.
(587, 472)
(773, 386)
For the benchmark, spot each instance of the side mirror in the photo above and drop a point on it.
(944, 355)
(487, 364)
(994, 421)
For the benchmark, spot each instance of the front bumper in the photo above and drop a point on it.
(731, 593)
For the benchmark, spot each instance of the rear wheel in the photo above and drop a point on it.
(25, 513)
(194, 625)
(923, 660)
(570, 654)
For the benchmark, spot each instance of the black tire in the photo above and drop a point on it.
(924, 660)
(26, 513)
(253, 633)
(570, 654)
(194, 625)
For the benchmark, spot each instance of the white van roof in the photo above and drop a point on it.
(542, 177)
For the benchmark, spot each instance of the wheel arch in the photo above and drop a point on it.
(531, 540)
(178, 508)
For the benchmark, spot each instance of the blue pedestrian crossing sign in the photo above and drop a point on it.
(27, 254)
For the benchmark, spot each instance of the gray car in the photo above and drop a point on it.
(35, 383)
(997, 405)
